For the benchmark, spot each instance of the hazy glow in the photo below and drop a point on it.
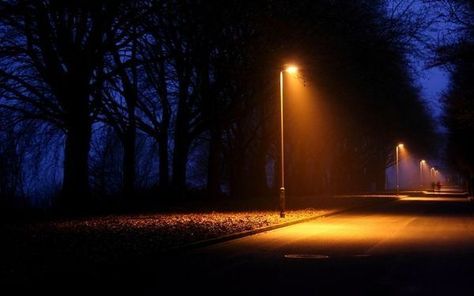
(414, 173)
(400, 145)
(292, 69)
(309, 123)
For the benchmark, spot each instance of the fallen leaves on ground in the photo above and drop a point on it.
(110, 238)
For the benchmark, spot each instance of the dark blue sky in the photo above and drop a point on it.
(433, 82)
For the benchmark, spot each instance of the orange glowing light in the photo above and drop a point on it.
(292, 69)
(400, 145)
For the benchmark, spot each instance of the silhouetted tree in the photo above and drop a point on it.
(456, 53)
(52, 51)
(199, 79)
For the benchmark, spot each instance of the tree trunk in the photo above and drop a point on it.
(164, 163)
(259, 170)
(380, 173)
(164, 132)
(213, 170)
(180, 159)
(181, 147)
(237, 179)
(129, 160)
(181, 136)
(75, 191)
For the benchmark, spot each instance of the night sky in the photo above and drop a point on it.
(433, 82)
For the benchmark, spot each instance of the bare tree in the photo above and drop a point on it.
(51, 54)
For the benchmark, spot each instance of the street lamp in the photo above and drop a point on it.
(290, 69)
(422, 162)
(432, 177)
(399, 146)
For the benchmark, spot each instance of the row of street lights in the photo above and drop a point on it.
(291, 69)
(433, 171)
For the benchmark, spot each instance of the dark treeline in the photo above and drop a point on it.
(457, 54)
(105, 97)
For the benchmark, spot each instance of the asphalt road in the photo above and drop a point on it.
(414, 246)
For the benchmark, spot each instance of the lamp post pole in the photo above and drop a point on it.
(422, 162)
(396, 152)
(282, 200)
(397, 168)
(282, 152)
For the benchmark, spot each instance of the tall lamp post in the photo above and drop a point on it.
(399, 146)
(422, 162)
(291, 70)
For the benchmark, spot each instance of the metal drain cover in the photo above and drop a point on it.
(322, 256)
(306, 256)
(361, 255)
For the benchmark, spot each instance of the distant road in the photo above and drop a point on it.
(408, 247)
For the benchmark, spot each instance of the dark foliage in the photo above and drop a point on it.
(458, 56)
(164, 96)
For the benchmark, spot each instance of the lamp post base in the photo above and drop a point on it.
(282, 202)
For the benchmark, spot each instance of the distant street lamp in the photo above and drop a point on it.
(290, 69)
(399, 146)
(422, 162)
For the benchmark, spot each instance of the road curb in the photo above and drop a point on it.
(228, 237)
